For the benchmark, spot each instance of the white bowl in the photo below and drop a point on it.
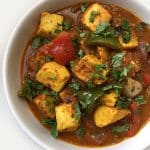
(11, 76)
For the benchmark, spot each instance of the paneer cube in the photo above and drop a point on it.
(45, 104)
(85, 68)
(65, 118)
(131, 44)
(105, 115)
(49, 24)
(102, 16)
(103, 53)
(53, 75)
(110, 99)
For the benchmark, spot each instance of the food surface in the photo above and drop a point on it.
(86, 75)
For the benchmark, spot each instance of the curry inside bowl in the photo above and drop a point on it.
(12, 76)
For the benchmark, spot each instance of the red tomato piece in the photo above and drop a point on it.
(133, 106)
(133, 130)
(61, 48)
(146, 78)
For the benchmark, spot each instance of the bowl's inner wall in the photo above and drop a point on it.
(12, 65)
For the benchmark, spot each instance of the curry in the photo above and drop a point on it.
(86, 75)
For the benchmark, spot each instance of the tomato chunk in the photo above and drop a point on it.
(146, 78)
(61, 49)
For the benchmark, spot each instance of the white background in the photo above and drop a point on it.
(12, 136)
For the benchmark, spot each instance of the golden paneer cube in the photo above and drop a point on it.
(110, 99)
(102, 16)
(105, 115)
(131, 44)
(103, 53)
(49, 24)
(85, 68)
(53, 75)
(65, 118)
(45, 104)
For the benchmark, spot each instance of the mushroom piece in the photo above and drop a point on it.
(132, 88)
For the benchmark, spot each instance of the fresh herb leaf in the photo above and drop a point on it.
(125, 25)
(100, 67)
(117, 59)
(30, 88)
(38, 41)
(75, 87)
(84, 6)
(140, 100)
(123, 102)
(57, 31)
(72, 64)
(80, 131)
(120, 128)
(112, 86)
(126, 36)
(66, 26)
(48, 58)
(141, 25)
(52, 124)
(77, 112)
(90, 84)
(81, 53)
(75, 43)
(93, 15)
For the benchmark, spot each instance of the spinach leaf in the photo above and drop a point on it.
(77, 112)
(120, 128)
(80, 131)
(52, 124)
(140, 100)
(117, 59)
(30, 88)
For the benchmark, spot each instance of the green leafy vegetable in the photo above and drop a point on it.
(90, 84)
(120, 128)
(126, 36)
(117, 59)
(89, 99)
(77, 112)
(84, 6)
(80, 131)
(66, 25)
(101, 67)
(140, 100)
(81, 53)
(52, 124)
(75, 87)
(93, 15)
(30, 88)
(38, 41)
(125, 25)
(123, 102)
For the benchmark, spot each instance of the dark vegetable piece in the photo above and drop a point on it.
(120, 128)
(30, 88)
(52, 124)
(89, 99)
(80, 131)
(104, 41)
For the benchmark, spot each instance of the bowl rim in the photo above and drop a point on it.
(5, 85)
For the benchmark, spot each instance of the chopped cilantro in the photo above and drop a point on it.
(77, 112)
(93, 15)
(80, 53)
(117, 59)
(75, 42)
(126, 36)
(80, 131)
(75, 87)
(100, 67)
(125, 25)
(141, 25)
(66, 26)
(52, 124)
(48, 58)
(123, 102)
(140, 100)
(30, 88)
(120, 128)
(84, 6)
